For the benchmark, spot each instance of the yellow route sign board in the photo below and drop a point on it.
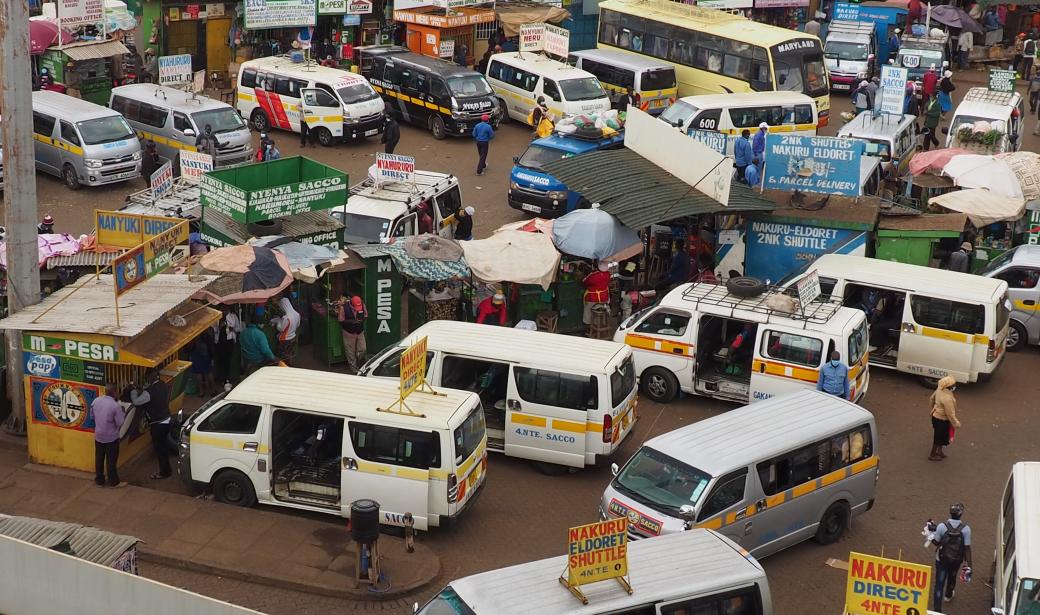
(597, 551)
(120, 229)
(413, 368)
(882, 586)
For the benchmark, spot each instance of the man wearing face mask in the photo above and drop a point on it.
(834, 377)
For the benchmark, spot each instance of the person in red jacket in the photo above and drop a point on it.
(496, 304)
(597, 290)
(928, 83)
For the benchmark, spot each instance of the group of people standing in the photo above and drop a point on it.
(749, 155)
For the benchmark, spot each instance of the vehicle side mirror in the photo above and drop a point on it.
(188, 132)
(997, 611)
(614, 469)
(687, 512)
(516, 159)
(946, 130)
(946, 63)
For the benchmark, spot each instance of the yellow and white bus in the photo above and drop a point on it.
(715, 51)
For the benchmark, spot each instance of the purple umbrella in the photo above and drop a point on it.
(43, 34)
(955, 17)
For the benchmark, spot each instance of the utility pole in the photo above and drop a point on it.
(23, 271)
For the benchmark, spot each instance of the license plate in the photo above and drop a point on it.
(129, 175)
(657, 103)
(369, 133)
(533, 208)
(841, 86)
(473, 477)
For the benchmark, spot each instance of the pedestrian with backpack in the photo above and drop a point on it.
(952, 539)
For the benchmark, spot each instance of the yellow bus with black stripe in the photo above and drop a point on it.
(767, 476)
(559, 400)
(442, 97)
(318, 441)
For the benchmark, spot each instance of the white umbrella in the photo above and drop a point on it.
(982, 206)
(1012, 174)
(513, 256)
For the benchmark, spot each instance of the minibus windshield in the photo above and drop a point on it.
(104, 130)
(466, 86)
(845, 50)
(364, 229)
(469, 434)
(858, 343)
(661, 482)
(222, 120)
(586, 88)
(678, 113)
(1028, 597)
(535, 156)
(446, 603)
(356, 92)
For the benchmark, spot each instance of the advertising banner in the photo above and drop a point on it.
(194, 165)
(62, 404)
(274, 189)
(359, 7)
(881, 585)
(125, 230)
(413, 368)
(597, 551)
(394, 168)
(531, 35)
(893, 89)
(75, 13)
(775, 249)
(175, 69)
(161, 181)
(844, 11)
(76, 349)
(332, 7)
(264, 14)
(148, 259)
(128, 270)
(813, 164)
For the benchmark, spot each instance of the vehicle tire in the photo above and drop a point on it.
(265, 228)
(550, 469)
(234, 487)
(928, 382)
(68, 175)
(833, 523)
(1017, 338)
(325, 137)
(745, 286)
(438, 128)
(505, 112)
(259, 120)
(659, 384)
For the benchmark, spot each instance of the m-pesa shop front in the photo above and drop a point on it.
(73, 345)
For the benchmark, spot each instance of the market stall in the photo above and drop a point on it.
(993, 214)
(86, 69)
(924, 240)
(69, 358)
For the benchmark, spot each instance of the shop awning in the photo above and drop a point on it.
(640, 193)
(86, 543)
(513, 15)
(163, 339)
(93, 51)
(428, 269)
(982, 206)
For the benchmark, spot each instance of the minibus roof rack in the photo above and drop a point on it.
(706, 293)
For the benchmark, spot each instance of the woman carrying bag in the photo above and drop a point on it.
(944, 417)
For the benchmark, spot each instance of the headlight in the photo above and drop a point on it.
(514, 186)
(557, 195)
(346, 114)
(137, 155)
(92, 163)
(454, 103)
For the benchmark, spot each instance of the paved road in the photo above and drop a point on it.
(524, 515)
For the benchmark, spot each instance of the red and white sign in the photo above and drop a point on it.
(531, 36)
(194, 165)
(74, 13)
(359, 7)
(544, 37)
(392, 168)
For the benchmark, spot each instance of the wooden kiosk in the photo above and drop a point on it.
(72, 345)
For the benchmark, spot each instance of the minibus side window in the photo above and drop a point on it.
(282, 86)
(551, 91)
(793, 348)
(744, 601)
(249, 78)
(949, 315)
(499, 71)
(540, 386)
(42, 124)
(803, 114)
(1009, 524)
(153, 116)
(664, 322)
(438, 89)
(182, 123)
(727, 492)
(814, 460)
(232, 418)
(68, 133)
(394, 446)
(118, 105)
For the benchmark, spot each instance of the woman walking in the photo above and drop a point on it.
(944, 417)
(946, 88)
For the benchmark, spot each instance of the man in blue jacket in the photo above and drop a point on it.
(742, 154)
(482, 134)
(834, 377)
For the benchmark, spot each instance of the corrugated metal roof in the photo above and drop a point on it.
(83, 259)
(93, 50)
(640, 193)
(87, 543)
(92, 308)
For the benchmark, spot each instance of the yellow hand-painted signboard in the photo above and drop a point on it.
(881, 586)
(124, 230)
(597, 552)
(413, 368)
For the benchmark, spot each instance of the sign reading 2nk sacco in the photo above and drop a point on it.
(597, 551)
(881, 586)
(813, 164)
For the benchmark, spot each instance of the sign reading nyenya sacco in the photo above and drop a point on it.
(248, 194)
(830, 165)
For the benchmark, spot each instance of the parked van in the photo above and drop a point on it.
(83, 143)
(273, 92)
(1016, 569)
(1020, 268)
(685, 343)
(441, 96)
(318, 441)
(377, 214)
(534, 190)
(848, 52)
(173, 119)
(519, 79)
(1004, 112)
(729, 114)
(919, 53)
(767, 476)
(695, 572)
(923, 321)
(555, 399)
(891, 141)
(652, 80)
